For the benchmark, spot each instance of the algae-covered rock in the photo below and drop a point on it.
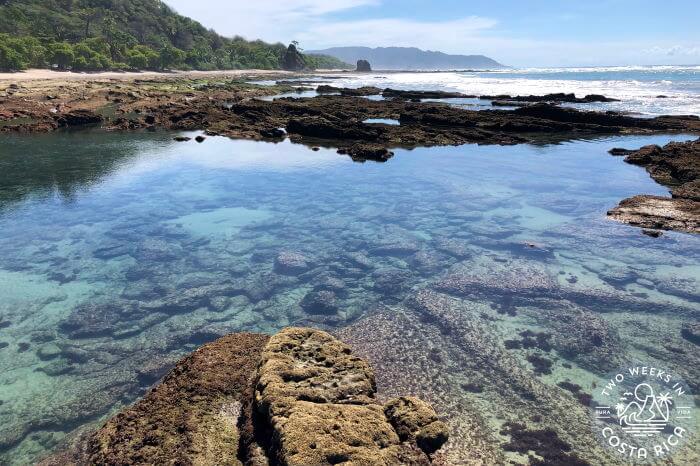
(191, 417)
(317, 401)
(298, 398)
(414, 419)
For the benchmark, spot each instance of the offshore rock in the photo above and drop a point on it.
(363, 66)
(310, 382)
(292, 60)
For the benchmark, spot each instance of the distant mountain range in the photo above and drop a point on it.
(409, 58)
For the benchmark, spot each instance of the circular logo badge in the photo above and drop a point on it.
(643, 413)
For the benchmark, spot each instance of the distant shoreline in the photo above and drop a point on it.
(39, 74)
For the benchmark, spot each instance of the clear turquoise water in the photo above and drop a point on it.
(149, 232)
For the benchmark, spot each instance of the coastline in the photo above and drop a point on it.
(45, 74)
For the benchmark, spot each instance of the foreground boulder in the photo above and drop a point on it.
(298, 398)
(309, 382)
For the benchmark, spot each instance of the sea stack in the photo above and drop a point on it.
(363, 65)
(293, 60)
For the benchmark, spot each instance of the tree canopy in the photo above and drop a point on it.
(95, 35)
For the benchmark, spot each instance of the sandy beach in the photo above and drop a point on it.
(42, 74)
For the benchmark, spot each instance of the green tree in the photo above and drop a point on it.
(10, 60)
(171, 57)
(61, 54)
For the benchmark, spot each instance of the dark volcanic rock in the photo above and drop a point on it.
(319, 127)
(657, 212)
(391, 282)
(360, 91)
(672, 165)
(363, 66)
(78, 118)
(675, 165)
(689, 190)
(557, 98)
(364, 152)
(408, 95)
(94, 319)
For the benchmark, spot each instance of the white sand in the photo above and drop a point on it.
(38, 74)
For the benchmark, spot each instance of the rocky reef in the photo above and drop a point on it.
(677, 166)
(298, 398)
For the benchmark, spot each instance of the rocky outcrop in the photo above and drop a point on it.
(348, 91)
(363, 66)
(300, 397)
(551, 98)
(677, 166)
(659, 212)
(293, 60)
(414, 95)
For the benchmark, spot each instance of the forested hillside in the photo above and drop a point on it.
(95, 35)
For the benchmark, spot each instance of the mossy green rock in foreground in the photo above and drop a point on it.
(297, 398)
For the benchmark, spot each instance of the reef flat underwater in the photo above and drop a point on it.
(485, 280)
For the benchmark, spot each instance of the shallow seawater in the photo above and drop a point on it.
(123, 252)
(383, 121)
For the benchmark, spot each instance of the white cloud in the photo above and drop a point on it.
(318, 24)
(271, 20)
(674, 50)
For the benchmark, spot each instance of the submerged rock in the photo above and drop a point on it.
(320, 302)
(291, 263)
(691, 332)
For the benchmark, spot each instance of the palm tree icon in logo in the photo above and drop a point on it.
(646, 414)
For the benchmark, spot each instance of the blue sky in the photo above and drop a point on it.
(518, 33)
